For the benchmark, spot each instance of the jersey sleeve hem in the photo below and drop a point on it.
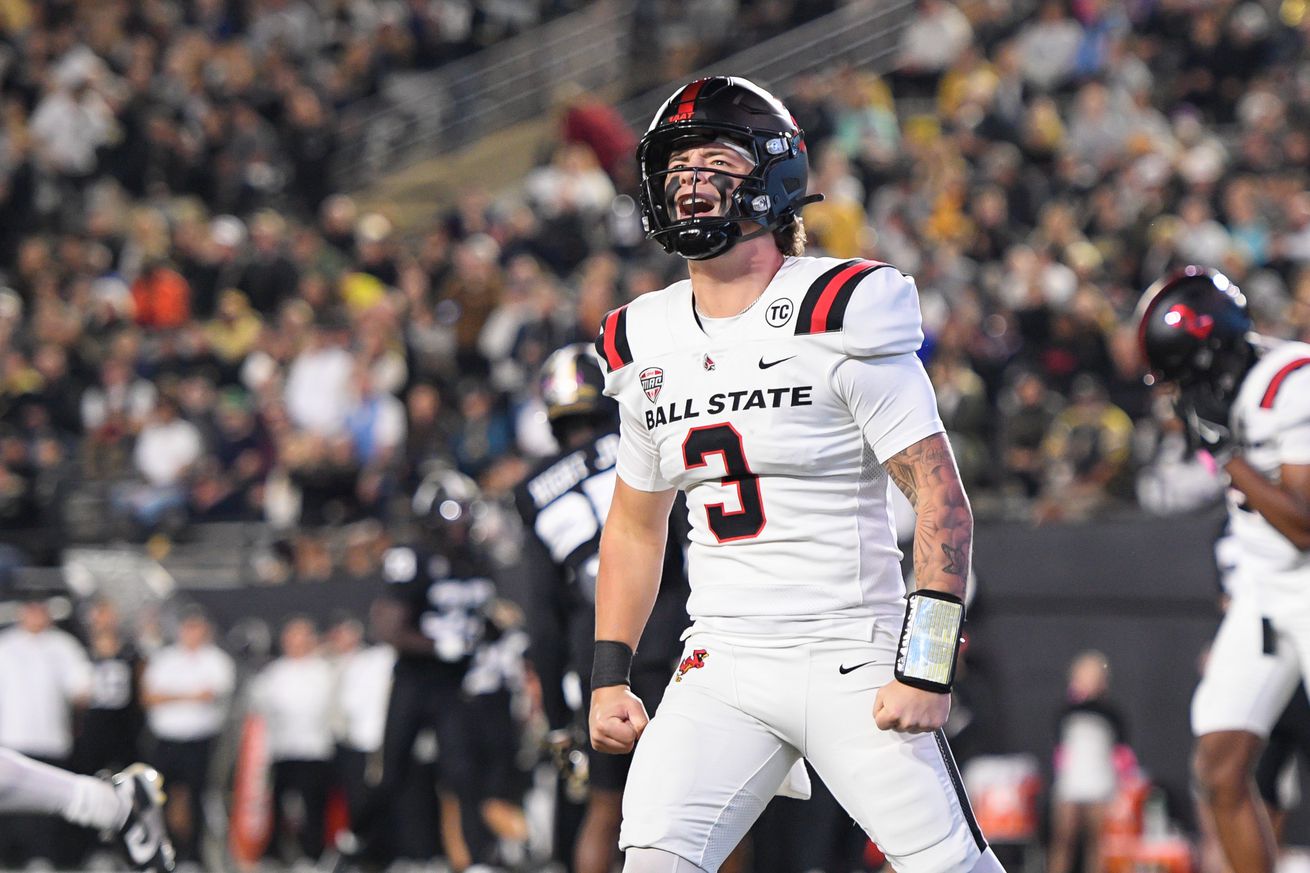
(648, 484)
(903, 439)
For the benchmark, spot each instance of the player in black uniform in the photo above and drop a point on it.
(563, 504)
(433, 611)
(112, 722)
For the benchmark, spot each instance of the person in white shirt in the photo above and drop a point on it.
(186, 690)
(362, 693)
(294, 695)
(317, 392)
(166, 450)
(44, 674)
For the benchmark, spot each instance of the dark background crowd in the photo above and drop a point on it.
(201, 322)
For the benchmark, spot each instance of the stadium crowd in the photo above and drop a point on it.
(198, 326)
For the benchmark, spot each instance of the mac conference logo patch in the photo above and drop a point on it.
(652, 380)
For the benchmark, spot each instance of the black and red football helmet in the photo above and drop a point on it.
(723, 108)
(1194, 330)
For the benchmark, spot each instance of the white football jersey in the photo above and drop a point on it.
(775, 423)
(1271, 419)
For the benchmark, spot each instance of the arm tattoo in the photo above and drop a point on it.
(902, 474)
(943, 533)
(955, 560)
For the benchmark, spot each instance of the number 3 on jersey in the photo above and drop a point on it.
(723, 439)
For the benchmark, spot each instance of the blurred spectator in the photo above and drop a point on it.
(112, 413)
(161, 298)
(569, 194)
(71, 122)
(1028, 408)
(1048, 46)
(470, 294)
(44, 674)
(836, 225)
(1091, 754)
(216, 263)
(937, 34)
(375, 423)
(586, 119)
(268, 276)
(1172, 477)
(485, 432)
(362, 691)
(167, 448)
(1087, 450)
(311, 140)
(318, 395)
(430, 430)
(233, 333)
(186, 688)
(1199, 238)
(294, 694)
(963, 406)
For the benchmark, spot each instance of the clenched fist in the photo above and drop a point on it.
(901, 707)
(616, 720)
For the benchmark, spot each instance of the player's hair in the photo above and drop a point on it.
(790, 238)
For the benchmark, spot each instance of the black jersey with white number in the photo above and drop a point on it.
(446, 600)
(563, 504)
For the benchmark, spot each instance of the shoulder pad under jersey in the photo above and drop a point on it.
(612, 346)
(873, 305)
(1284, 391)
(639, 329)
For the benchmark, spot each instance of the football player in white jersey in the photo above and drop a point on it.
(1246, 399)
(783, 395)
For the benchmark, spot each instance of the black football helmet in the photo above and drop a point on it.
(723, 108)
(572, 387)
(448, 505)
(1194, 331)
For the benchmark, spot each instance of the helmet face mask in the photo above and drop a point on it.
(748, 120)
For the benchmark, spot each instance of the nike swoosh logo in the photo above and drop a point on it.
(764, 366)
(843, 669)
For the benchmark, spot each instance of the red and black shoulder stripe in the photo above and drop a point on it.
(612, 343)
(1267, 400)
(824, 305)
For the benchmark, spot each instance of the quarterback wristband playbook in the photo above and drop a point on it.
(611, 664)
(930, 639)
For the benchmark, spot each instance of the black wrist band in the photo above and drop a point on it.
(611, 664)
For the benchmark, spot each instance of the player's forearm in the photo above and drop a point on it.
(1288, 512)
(631, 560)
(943, 529)
(943, 542)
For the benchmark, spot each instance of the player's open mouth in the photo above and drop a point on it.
(691, 205)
